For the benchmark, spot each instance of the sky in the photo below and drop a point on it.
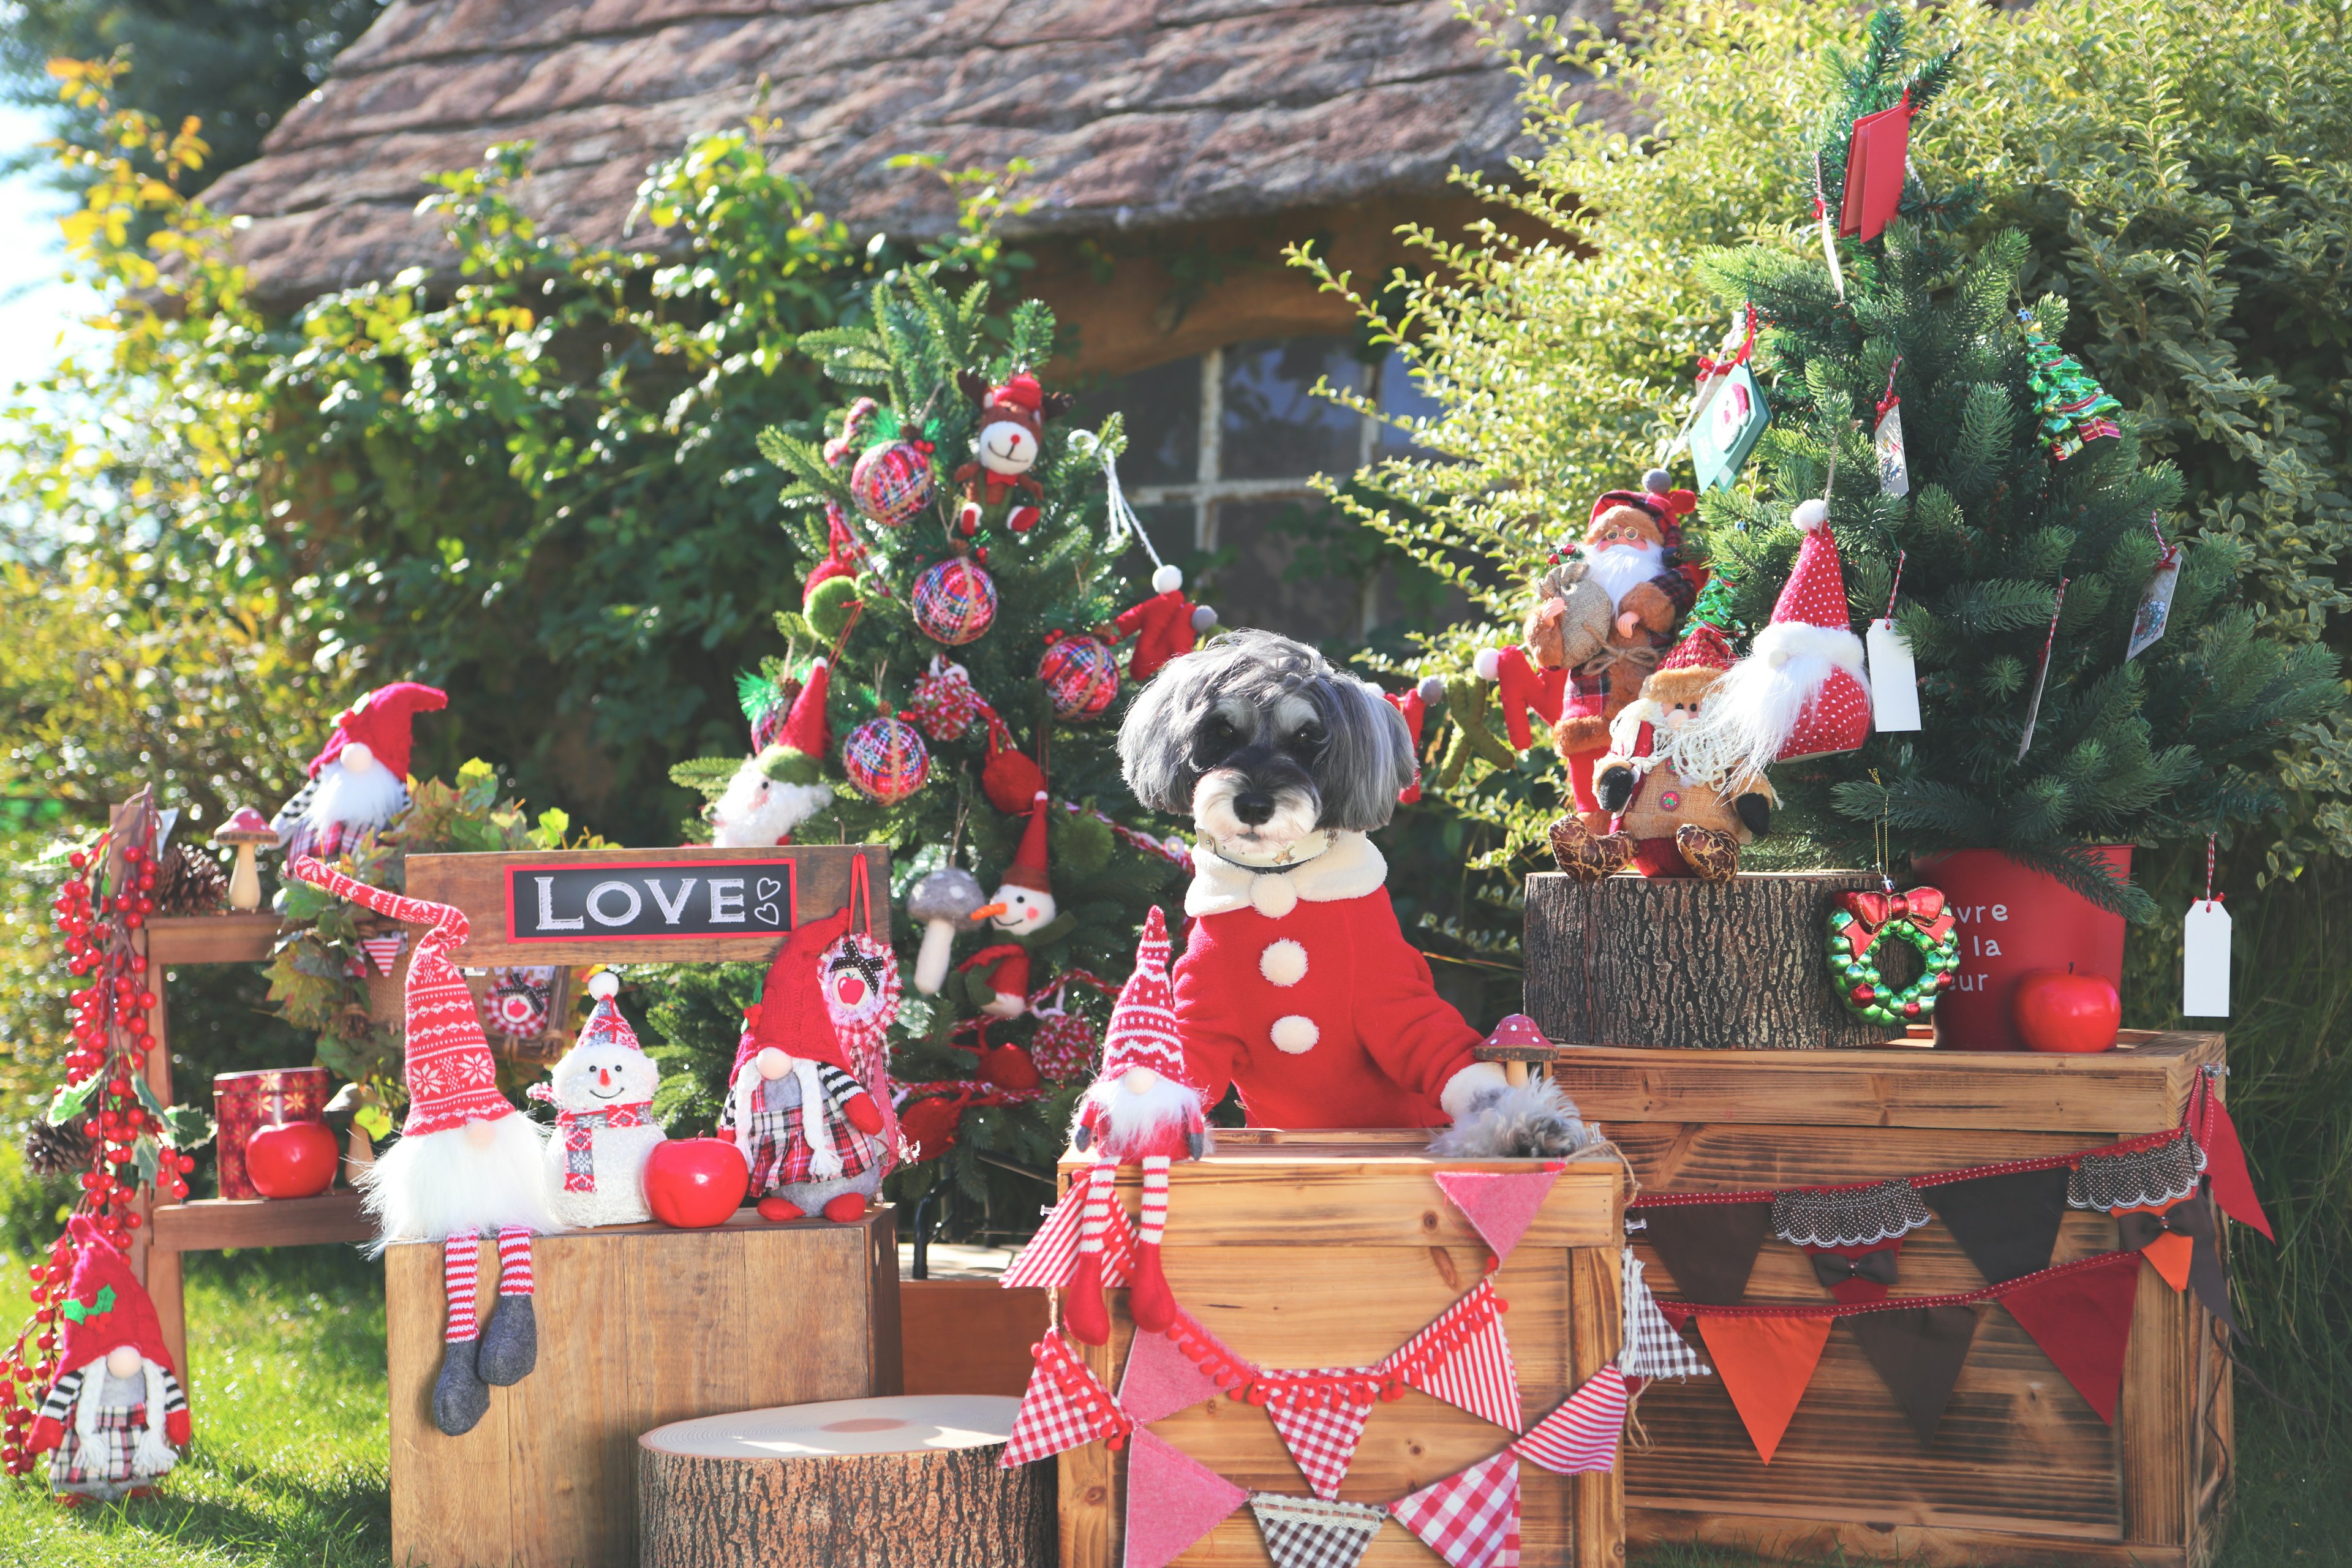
(36, 305)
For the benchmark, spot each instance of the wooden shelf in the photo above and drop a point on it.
(212, 939)
(211, 1224)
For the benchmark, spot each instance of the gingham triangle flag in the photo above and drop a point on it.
(1052, 1255)
(1470, 1519)
(1309, 1532)
(1474, 1373)
(1582, 1434)
(1065, 1406)
(383, 951)
(1652, 1349)
(1322, 1436)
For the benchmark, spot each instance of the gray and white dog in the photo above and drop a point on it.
(1283, 764)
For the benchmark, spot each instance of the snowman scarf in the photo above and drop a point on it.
(578, 1129)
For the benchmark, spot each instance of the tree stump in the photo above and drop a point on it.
(908, 1482)
(1691, 966)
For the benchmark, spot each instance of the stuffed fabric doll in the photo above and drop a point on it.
(116, 1417)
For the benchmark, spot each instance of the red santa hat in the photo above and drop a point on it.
(805, 730)
(1028, 868)
(1019, 391)
(381, 722)
(1692, 669)
(452, 1076)
(791, 1013)
(105, 1305)
(1143, 1022)
(604, 1025)
(1802, 691)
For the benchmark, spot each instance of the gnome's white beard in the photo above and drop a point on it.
(369, 797)
(1621, 566)
(436, 1186)
(1751, 714)
(1135, 1123)
(758, 811)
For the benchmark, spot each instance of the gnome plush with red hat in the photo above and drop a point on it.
(1140, 1112)
(1022, 909)
(781, 787)
(1012, 434)
(1677, 808)
(116, 1417)
(359, 780)
(602, 1092)
(467, 1161)
(809, 1130)
(1802, 690)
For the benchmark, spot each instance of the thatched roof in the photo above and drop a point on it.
(1136, 112)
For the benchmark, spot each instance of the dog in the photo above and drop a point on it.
(1297, 986)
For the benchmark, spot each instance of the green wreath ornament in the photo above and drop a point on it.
(1856, 927)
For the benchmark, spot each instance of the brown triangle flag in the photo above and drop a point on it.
(1918, 1352)
(2082, 1320)
(1708, 1248)
(2007, 1224)
(1765, 1363)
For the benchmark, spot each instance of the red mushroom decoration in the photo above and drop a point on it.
(246, 831)
(1518, 1030)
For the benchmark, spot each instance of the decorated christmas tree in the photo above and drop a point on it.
(953, 688)
(2033, 546)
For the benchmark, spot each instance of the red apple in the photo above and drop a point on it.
(693, 1183)
(292, 1160)
(2060, 1010)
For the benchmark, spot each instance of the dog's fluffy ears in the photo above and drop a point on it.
(1530, 1120)
(1367, 763)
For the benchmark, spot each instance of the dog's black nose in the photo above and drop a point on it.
(1254, 806)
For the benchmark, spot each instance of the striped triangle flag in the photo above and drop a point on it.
(1470, 1519)
(1582, 1434)
(383, 951)
(1475, 1373)
(1309, 1532)
(1052, 1255)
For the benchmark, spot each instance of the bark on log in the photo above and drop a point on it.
(909, 1482)
(1686, 965)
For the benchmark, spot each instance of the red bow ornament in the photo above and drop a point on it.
(1872, 913)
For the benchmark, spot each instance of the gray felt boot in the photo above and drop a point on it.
(460, 1398)
(511, 1344)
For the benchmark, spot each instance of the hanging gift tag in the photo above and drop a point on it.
(1734, 423)
(2205, 961)
(1894, 469)
(1894, 679)
(2155, 604)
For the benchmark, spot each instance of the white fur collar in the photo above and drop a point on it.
(1348, 869)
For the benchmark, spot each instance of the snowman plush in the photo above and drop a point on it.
(603, 1092)
(1024, 909)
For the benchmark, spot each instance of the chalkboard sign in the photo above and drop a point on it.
(651, 901)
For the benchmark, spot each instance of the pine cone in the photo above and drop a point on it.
(56, 1150)
(189, 884)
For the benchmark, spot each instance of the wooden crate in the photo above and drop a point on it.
(2022, 1474)
(638, 1326)
(1306, 1249)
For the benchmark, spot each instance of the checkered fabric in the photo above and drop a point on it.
(779, 1152)
(1476, 1375)
(1582, 1434)
(1065, 1406)
(1308, 1533)
(1052, 1255)
(106, 1455)
(1470, 1519)
(1321, 1433)
(1652, 1348)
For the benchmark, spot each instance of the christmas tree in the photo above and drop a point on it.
(2019, 485)
(953, 659)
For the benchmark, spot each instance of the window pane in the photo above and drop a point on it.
(1163, 409)
(1403, 397)
(1171, 527)
(1269, 585)
(1272, 428)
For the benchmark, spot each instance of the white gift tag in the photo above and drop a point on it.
(1894, 679)
(2205, 961)
(1894, 469)
(2155, 604)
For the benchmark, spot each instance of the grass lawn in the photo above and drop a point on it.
(288, 1468)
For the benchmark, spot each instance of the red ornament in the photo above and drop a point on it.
(2062, 1010)
(1081, 677)
(292, 1160)
(892, 482)
(954, 601)
(931, 1125)
(886, 759)
(693, 1183)
(1009, 779)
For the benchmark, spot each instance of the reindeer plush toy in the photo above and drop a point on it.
(1012, 432)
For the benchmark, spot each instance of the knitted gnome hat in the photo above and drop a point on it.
(1143, 1023)
(791, 1013)
(380, 721)
(1692, 669)
(452, 1076)
(105, 1308)
(605, 1024)
(1028, 868)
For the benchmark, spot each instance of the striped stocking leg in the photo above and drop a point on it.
(514, 1261)
(460, 1258)
(511, 1344)
(1083, 1312)
(459, 1395)
(1154, 1307)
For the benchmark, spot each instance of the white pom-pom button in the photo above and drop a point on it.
(604, 985)
(1295, 1034)
(1167, 580)
(1486, 664)
(1273, 897)
(1811, 514)
(1283, 962)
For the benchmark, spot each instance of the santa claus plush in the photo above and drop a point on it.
(466, 1160)
(116, 1417)
(359, 780)
(1139, 1111)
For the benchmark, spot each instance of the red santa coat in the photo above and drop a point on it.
(1298, 989)
(1162, 628)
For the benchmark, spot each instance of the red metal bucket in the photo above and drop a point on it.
(2013, 919)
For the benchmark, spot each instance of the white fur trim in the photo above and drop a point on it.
(1295, 1034)
(1167, 579)
(1811, 513)
(1468, 1084)
(1283, 962)
(1350, 869)
(1486, 664)
(1785, 640)
(1273, 897)
(824, 1160)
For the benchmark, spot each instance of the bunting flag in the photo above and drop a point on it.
(2080, 1314)
(1308, 1533)
(1499, 1204)
(1918, 1352)
(383, 951)
(1320, 1425)
(2007, 1224)
(1172, 1501)
(1765, 1363)
(1470, 1519)
(1652, 1348)
(1161, 1379)
(2225, 1157)
(1065, 1406)
(1708, 1248)
(1465, 1359)
(1052, 1255)
(2181, 1243)
(1582, 1434)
